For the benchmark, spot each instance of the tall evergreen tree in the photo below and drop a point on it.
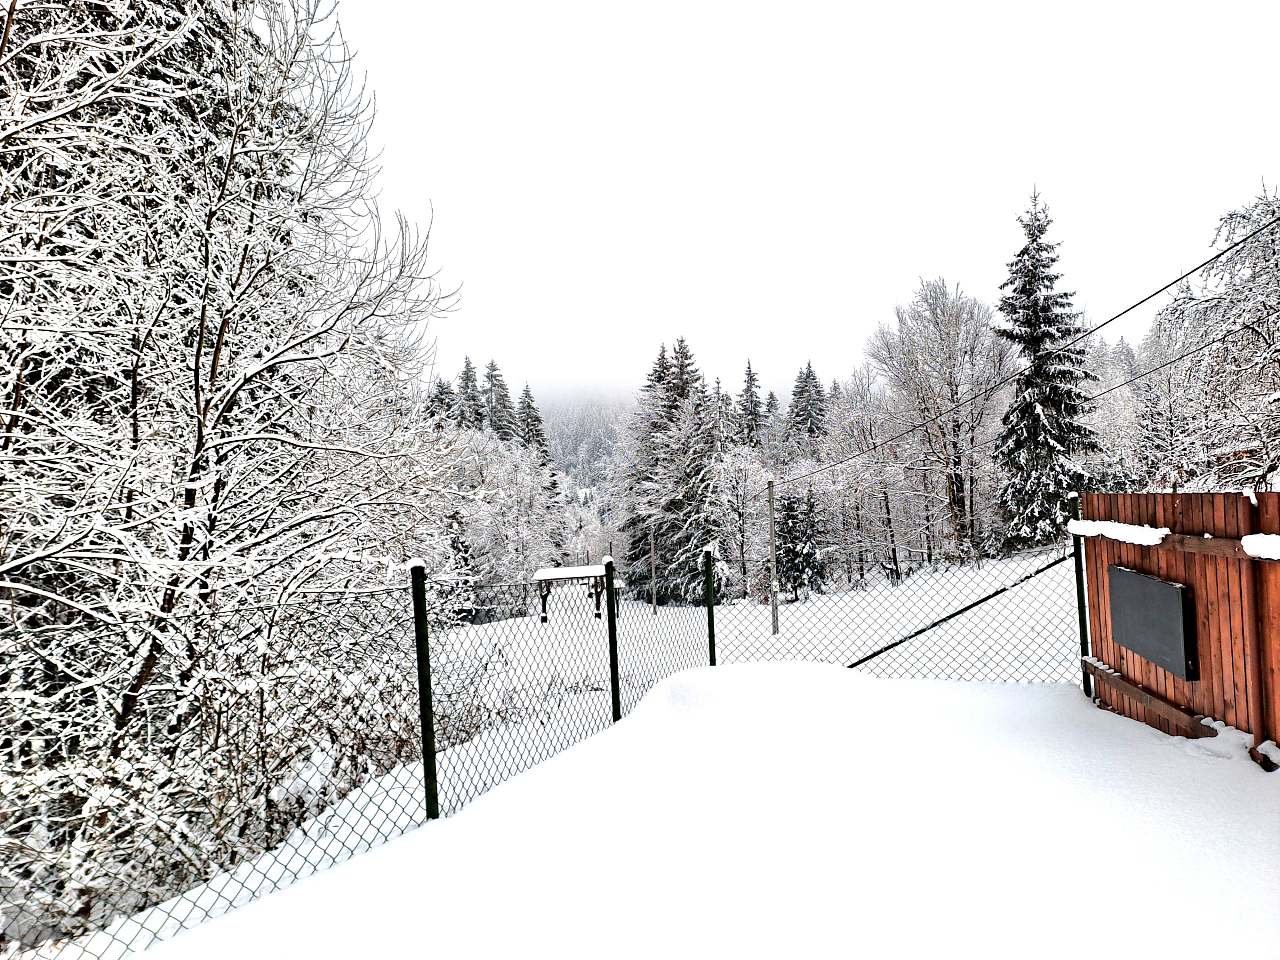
(1044, 434)
(799, 568)
(724, 411)
(771, 406)
(807, 415)
(443, 400)
(471, 405)
(750, 413)
(500, 413)
(529, 426)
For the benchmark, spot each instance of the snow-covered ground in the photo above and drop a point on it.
(544, 687)
(807, 810)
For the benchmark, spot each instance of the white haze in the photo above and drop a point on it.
(770, 180)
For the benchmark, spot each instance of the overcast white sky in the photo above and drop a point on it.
(769, 180)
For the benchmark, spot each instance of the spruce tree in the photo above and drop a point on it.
(500, 414)
(457, 587)
(750, 414)
(807, 415)
(798, 566)
(1044, 434)
(471, 406)
(529, 427)
(771, 406)
(443, 400)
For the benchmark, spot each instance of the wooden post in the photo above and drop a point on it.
(773, 563)
(1253, 631)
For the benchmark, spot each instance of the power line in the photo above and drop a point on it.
(1017, 373)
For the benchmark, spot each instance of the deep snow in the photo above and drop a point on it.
(808, 810)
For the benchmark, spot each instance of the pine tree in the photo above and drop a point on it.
(771, 406)
(443, 400)
(798, 566)
(807, 415)
(529, 426)
(750, 414)
(638, 486)
(457, 592)
(725, 414)
(1044, 432)
(471, 405)
(500, 414)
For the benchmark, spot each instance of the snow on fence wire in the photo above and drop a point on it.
(296, 741)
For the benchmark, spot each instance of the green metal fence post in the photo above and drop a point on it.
(709, 596)
(611, 604)
(426, 708)
(1077, 548)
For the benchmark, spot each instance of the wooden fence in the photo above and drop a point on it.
(1236, 604)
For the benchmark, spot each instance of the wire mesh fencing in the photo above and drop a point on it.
(1009, 618)
(159, 772)
(217, 758)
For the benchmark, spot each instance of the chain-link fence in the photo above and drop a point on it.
(267, 743)
(159, 772)
(1001, 619)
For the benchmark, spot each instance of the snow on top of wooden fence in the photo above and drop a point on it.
(1138, 534)
(1263, 546)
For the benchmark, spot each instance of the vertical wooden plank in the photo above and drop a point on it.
(1222, 616)
(1153, 562)
(1209, 699)
(1100, 622)
(1162, 566)
(1134, 665)
(1104, 560)
(1269, 614)
(1099, 619)
(1231, 601)
(1248, 608)
(1181, 691)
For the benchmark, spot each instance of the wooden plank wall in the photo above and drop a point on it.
(1237, 605)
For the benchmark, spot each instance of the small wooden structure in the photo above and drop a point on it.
(1233, 612)
(547, 577)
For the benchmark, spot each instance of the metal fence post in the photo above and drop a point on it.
(426, 709)
(1077, 548)
(709, 596)
(611, 604)
(653, 576)
(773, 563)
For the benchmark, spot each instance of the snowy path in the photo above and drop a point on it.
(807, 810)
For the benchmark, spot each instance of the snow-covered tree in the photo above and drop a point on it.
(211, 400)
(529, 428)
(471, 408)
(799, 568)
(751, 414)
(1044, 437)
(499, 412)
(807, 415)
(941, 352)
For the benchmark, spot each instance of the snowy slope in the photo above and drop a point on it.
(806, 810)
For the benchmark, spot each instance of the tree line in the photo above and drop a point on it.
(962, 434)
